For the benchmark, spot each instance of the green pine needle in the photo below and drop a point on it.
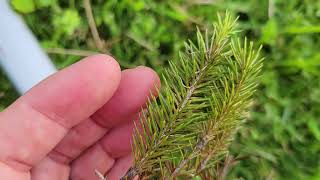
(206, 96)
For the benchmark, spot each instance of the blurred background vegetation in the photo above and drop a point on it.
(281, 139)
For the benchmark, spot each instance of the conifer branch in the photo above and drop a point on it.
(249, 64)
(199, 109)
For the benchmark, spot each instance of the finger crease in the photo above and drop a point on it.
(60, 157)
(17, 164)
(48, 117)
(105, 149)
(98, 119)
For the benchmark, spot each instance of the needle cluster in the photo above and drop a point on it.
(205, 98)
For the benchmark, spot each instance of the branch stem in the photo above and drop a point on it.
(74, 52)
(206, 138)
(93, 28)
(199, 147)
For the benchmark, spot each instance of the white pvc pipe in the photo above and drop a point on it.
(20, 54)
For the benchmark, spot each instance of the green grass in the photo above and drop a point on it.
(281, 139)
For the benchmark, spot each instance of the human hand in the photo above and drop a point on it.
(75, 122)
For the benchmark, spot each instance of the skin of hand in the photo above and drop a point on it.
(79, 120)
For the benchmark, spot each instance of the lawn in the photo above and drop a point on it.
(281, 139)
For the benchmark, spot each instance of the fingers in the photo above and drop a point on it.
(122, 109)
(117, 142)
(50, 169)
(93, 159)
(77, 140)
(136, 85)
(7, 172)
(77, 92)
(120, 167)
(132, 93)
(98, 154)
(113, 145)
(36, 122)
